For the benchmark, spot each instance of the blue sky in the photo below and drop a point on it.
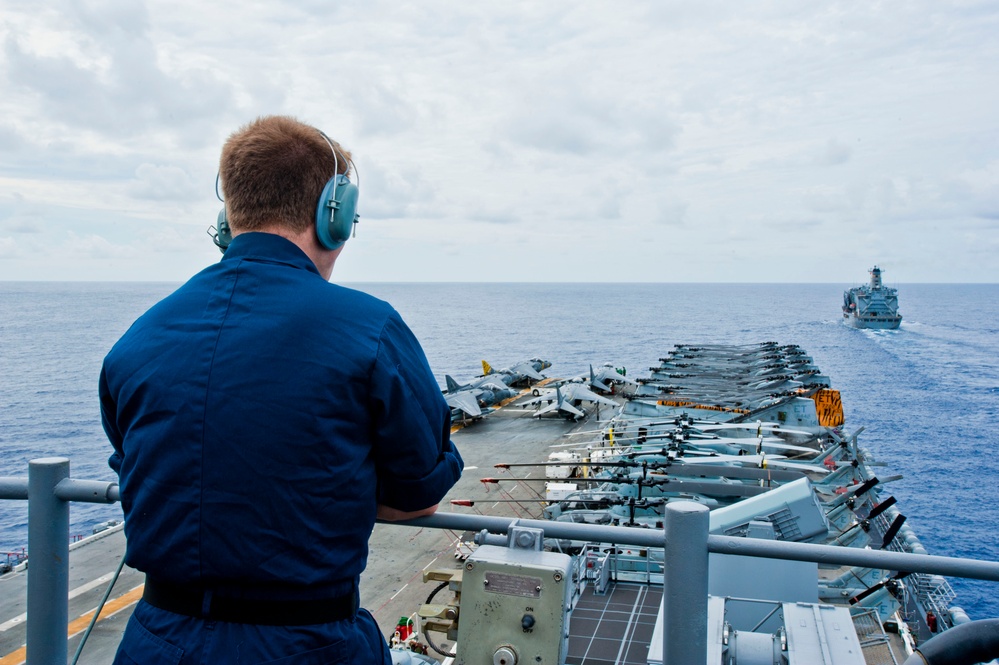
(517, 141)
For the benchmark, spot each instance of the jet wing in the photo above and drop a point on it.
(566, 406)
(581, 392)
(493, 384)
(527, 369)
(554, 406)
(549, 397)
(609, 375)
(465, 401)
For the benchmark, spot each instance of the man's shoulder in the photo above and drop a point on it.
(356, 296)
(359, 303)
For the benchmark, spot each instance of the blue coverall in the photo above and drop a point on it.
(258, 415)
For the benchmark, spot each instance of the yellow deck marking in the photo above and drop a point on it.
(14, 658)
(78, 625)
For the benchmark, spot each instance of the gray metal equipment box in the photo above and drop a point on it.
(514, 607)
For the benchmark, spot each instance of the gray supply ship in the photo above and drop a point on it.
(719, 513)
(872, 305)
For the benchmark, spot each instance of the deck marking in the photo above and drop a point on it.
(15, 657)
(400, 590)
(90, 585)
(80, 590)
(7, 625)
(78, 625)
(112, 607)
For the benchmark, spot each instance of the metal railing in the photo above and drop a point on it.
(684, 538)
(48, 490)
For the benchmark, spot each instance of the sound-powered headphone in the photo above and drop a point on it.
(336, 211)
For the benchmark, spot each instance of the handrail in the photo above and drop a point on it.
(730, 545)
(49, 489)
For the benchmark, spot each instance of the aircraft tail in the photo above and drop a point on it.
(486, 369)
(452, 385)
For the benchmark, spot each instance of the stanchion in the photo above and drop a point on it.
(48, 565)
(685, 584)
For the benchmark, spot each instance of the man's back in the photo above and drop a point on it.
(261, 418)
(259, 406)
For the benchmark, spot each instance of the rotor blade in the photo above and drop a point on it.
(881, 507)
(810, 468)
(867, 486)
(470, 502)
(893, 530)
(864, 594)
(741, 459)
(753, 443)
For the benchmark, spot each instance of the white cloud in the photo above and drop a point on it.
(639, 130)
(163, 183)
(8, 248)
(171, 240)
(96, 247)
(835, 153)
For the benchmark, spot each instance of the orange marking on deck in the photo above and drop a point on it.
(113, 606)
(78, 625)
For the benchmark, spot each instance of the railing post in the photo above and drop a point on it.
(685, 584)
(48, 565)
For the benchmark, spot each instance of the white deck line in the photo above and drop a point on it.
(7, 625)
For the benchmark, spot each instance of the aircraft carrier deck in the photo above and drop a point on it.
(391, 586)
(658, 445)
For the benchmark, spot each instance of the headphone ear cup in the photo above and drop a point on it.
(223, 234)
(336, 212)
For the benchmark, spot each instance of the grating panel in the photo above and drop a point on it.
(879, 654)
(614, 628)
(873, 641)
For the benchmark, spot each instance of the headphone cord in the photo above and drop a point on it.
(97, 612)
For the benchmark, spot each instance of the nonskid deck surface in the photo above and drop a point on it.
(391, 586)
(92, 565)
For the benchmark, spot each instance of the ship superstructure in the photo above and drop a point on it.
(872, 305)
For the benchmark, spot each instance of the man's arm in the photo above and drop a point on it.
(387, 514)
(416, 461)
(109, 414)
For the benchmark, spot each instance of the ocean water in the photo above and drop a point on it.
(927, 394)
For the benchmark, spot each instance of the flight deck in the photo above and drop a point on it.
(391, 586)
(581, 531)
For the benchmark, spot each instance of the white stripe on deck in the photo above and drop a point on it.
(103, 579)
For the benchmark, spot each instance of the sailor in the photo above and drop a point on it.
(261, 417)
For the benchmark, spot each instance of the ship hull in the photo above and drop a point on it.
(872, 306)
(873, 323)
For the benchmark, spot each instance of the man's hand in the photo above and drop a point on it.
(395, 515)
